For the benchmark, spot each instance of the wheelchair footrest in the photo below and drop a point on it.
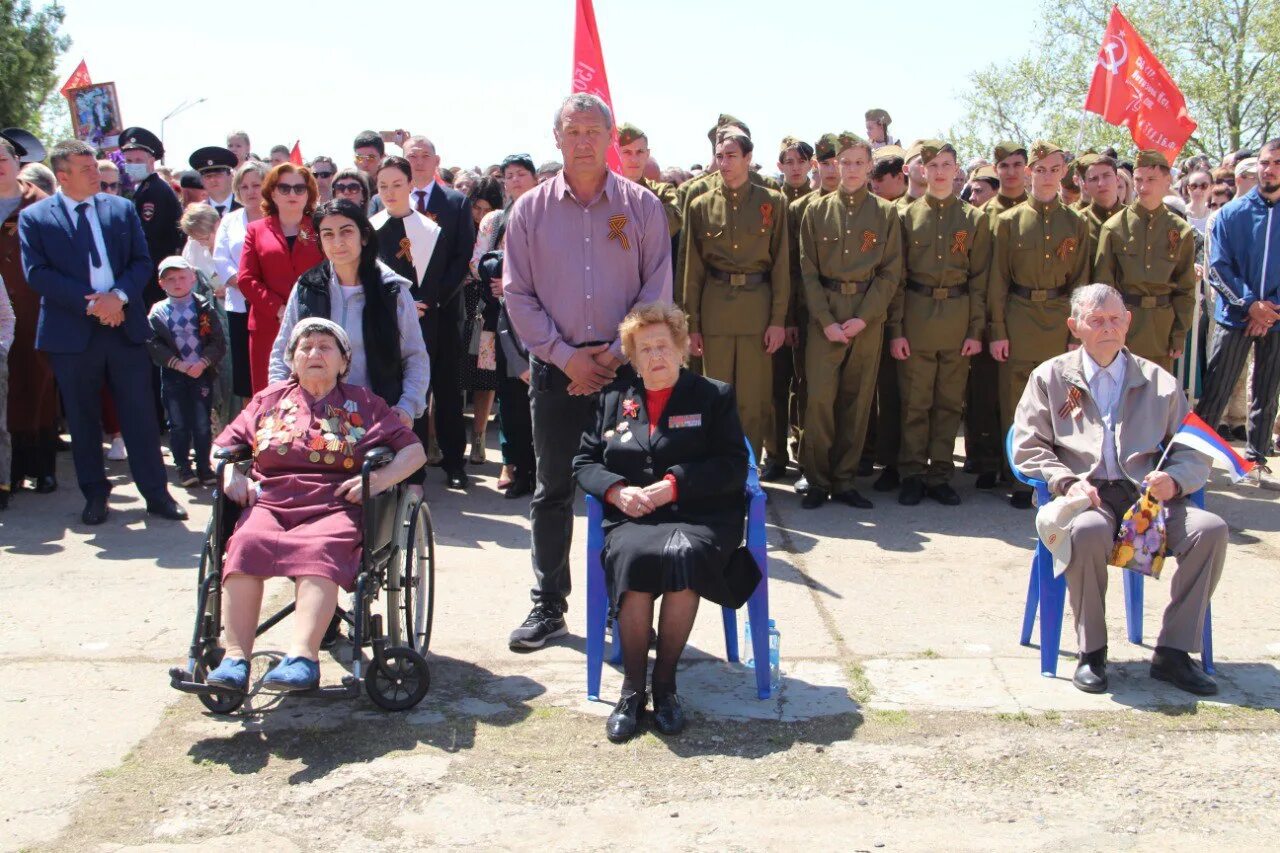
(181, 679)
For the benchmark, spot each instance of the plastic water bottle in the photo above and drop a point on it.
(775, 655)
(749, 649)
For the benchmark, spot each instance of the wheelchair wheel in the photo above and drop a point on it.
(218, 703)
(412, 580)
(399, 680)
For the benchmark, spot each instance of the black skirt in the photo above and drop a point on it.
(238, 343)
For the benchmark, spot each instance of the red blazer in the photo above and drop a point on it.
(269, 269)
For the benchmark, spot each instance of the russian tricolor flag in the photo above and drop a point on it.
(1198, 435)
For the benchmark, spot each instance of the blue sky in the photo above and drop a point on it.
(482, 78)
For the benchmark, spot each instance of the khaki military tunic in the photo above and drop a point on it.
(1096, 216)
(1149, 256)
(795, 193)
(851, 262)
(947, 247)
(685, 194)
(670, 204)
(740, 233)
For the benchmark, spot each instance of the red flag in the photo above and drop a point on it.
(295, 156)
(588, 69)
(1130, 87)
(79, 77)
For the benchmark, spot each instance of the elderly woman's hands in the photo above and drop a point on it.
(350, 487)
(635, 502)
(239, 488)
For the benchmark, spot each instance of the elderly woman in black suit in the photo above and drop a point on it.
(668, 458)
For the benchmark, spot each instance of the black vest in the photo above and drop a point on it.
(378, 322)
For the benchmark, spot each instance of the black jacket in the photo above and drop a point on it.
(704, 448)
(451, 210)
(159, 209)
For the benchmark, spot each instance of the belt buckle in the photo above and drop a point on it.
(737, 279)
(941, 293)
(1149, 302)
(849, 288)
(1038, 295)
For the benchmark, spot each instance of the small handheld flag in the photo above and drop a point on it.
(1198, 435)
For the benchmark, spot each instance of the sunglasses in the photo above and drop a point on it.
(348, 188)
(109, 186)
(323, 175)
(1197, 186)
(296, 189)
(366, 158)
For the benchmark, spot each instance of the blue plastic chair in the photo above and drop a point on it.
(757, 605)
(1048, 594)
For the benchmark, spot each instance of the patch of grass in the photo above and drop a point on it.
(889, 717)
(930, 654)
(545, 712)
(859, 684)
(1020, 717)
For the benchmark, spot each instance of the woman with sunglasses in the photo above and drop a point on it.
(278, 249)
(353, 185)
(323, 168)
(246, 188)
(1196, 191)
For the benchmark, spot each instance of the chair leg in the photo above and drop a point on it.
(1134, 587)
(1033, 604)
(1206, 643)
(1053, 595)
(758, 604)
(597, 600)
(730, 634)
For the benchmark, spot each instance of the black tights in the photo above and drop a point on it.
(675, 621)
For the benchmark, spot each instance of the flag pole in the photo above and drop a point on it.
(1084, 117)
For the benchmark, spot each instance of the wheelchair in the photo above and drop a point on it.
(398, 561)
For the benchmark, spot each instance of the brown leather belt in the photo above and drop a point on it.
(846, 287)
(1038, 294)
(937, 293)
(737, 279)
(1136, 301)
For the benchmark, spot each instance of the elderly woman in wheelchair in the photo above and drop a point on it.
(301, 498)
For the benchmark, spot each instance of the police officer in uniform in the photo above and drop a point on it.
(737, 282)
(157, 204)
(215, 165)
(1148, 254)
(633, 148)
(935, 324)
(851, 259)
(1041, 254)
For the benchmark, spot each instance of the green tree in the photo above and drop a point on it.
(30, 44)
(1221, 53)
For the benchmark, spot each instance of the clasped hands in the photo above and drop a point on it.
(1161, 485)
(1262, 316)
(590, 369)
(638, 501)
(106, 308)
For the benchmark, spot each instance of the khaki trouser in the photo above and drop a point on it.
(983, 442)
(1197, 538)
(1149, 332)
(932, 384)
(841, 380)
(741, 361)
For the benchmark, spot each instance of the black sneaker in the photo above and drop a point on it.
(545, 622)
(187, 478)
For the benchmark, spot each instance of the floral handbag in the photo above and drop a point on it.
(1141, 542)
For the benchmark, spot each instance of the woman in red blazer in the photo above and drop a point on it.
(278, 249)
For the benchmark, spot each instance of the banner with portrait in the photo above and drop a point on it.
(95, 114)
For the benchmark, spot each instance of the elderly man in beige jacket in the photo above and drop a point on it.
(1093, 422)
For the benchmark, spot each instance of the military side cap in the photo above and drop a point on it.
(789, 142)
(142, 139)
(1041, 150)
(913, 152)
(1085, 160)
(1005, 150)
(629, 133)
(985, 173)
(212, 158)
(190, 180)
(849, 139)
(1151, 157)
(724, 119)
(879, 115)
(827, 146)
(25, 145)
(930, 148)
(885, 152)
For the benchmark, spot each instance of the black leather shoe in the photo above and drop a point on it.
(802, 485)
(167, 508)
(1091, 674)
(986, 480)
(1239, 433)
(668, 716)
(888, 480)
(456, 480)
(95, 510)
(625, 719)
(520, 486)
(1020, 500)
(813, 499)
(774, 471)
(853, 498)
(46, 484)
(943, 494)
(912, 491)
(1176, 667)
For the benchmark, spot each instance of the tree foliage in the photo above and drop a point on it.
(1222, 54)
(30, 44)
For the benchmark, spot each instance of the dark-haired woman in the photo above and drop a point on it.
(353, 185)
(370, 302)
(479, 363)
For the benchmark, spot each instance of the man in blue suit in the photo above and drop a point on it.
(85, 254)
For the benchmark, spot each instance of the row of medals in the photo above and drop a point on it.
(340, 429)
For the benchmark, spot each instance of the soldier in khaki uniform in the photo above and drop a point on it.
(1099, 175)
(795, 159)
(935, 324)
(737, 282)
(633, 148)
(888, 177)
(851, 257)
(1041, 254)
(1148, 254)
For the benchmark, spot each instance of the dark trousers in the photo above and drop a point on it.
(515, 420)
(1228, 352)
(559, 420)
(443, 337)
(784, 419)
(983, 444)
(238, 345)
(187, 404)
(888, 409)
(113, 359)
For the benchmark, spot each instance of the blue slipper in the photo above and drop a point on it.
(232, 673)
(292, 675)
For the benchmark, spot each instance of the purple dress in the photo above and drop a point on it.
(303, 449)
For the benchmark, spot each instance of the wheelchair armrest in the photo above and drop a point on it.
(376, 458)
(233, 454)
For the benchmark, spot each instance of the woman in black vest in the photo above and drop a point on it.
(370, 302)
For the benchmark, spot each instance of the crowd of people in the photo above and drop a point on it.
(857, 309)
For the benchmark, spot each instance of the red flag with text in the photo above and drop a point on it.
(295, 156)
(79, 77)
(588, 68)
(1131, 88)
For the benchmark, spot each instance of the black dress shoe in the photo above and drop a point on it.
(167, 508)
(943, 494)
(802, 485)
(1091, 674)
(625, 719)
(1020, 500)
(668, 716)
(95, 510)
(969, 466)
(456, 480)
(853, 498)
(813, 498)
(888, 480)
(912, 491)
(1240, 433)
(46, 484)
(520, 486)
(775, 470)
(1225, 431)
(1176, 667)
(986, 480)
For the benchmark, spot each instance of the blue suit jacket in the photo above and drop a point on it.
(57, 268)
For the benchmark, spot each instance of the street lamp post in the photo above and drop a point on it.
(180, 108)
